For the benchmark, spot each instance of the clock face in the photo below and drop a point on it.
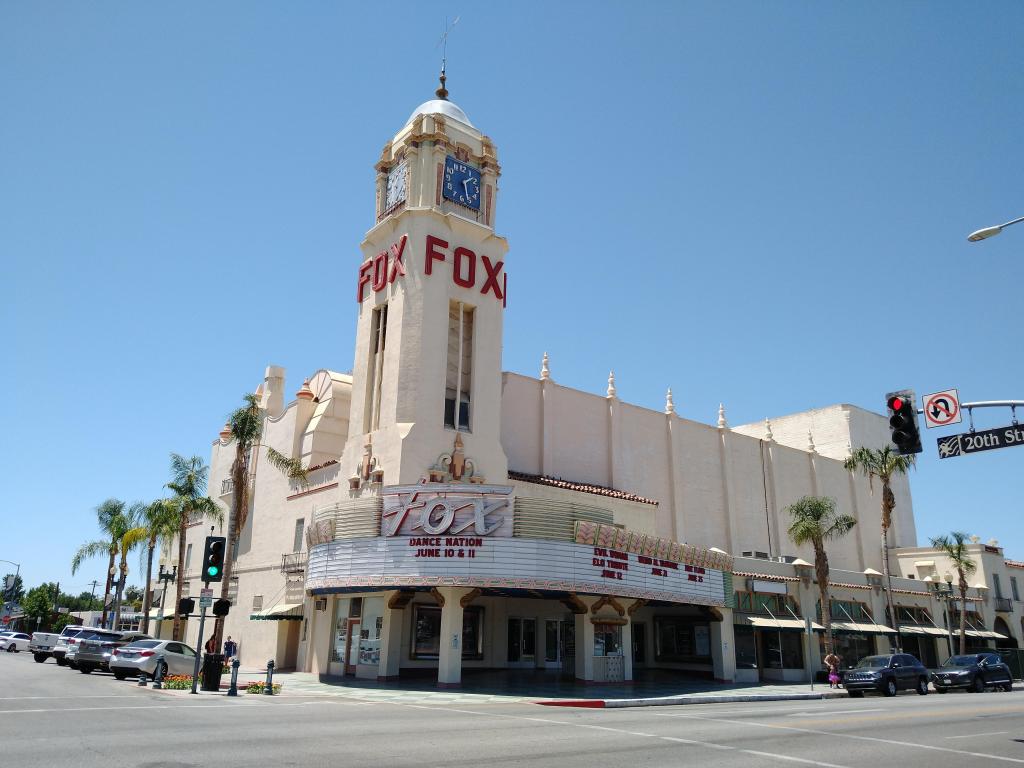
(461, 183)
(396, 189)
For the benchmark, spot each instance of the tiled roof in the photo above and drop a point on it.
(1015, 564)
(764, 576)
(599, 490)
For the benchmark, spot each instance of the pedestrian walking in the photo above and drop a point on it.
(230, 649)
(211, 645)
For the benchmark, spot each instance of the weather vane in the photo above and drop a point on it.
(442, 92)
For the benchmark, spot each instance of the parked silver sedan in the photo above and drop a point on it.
(142, 655)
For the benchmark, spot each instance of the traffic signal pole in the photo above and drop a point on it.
(199, 642)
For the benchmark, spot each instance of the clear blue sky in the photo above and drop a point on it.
(761, 204)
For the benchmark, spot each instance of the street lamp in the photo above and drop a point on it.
(164, 576)
(944, 593)
(987, 232)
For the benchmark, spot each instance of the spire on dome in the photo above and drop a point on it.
(442, 92)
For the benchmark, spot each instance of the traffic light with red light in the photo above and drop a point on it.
(213, 559)
(902, 407)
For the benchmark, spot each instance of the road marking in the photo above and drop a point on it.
(32, 698)
(223, 705)
(838, 735)
(675, 739)
(791, 758)
(976, 735)
(835, 712)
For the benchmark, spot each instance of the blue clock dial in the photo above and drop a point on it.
(461, 183)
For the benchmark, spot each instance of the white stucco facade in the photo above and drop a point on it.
(562, 529)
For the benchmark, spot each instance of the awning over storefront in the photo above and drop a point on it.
(281, 612)
(987, 634)
(852, 626)
(920, 630)
(765, 622)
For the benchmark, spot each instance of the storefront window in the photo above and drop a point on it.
(426, 632)
(607, 640)
(782, 650)
(681, 639)
(851, 647)
(746, 648)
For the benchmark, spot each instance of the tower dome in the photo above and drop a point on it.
(442, 106)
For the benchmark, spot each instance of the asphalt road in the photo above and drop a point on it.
(52, 716)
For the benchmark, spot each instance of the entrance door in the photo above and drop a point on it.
(522, 642)
(552, 651)
(639, 632)
(567, 647)
(352, 647)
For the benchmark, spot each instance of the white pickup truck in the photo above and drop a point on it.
(47, 644)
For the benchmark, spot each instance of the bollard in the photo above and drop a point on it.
(161, 667)
(142, 679)
(269, 690)
(233, 690)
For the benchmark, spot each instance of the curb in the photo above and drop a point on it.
(672, 701)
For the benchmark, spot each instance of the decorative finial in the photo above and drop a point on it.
(611, 383)
(442, 92)
(545, 372)
(225, 434)
(768, 431)
(670, 407)
(721, 417)
(810, 442)
(305, 393)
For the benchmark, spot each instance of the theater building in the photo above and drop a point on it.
(457, 518)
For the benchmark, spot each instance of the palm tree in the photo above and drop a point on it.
(111, 518)
(246, 426)
(161, 521)
(815, 521)
(188, 483)
(883, 463)
(954, 547)
(131, 538)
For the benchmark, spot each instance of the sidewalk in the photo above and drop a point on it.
(539, 688)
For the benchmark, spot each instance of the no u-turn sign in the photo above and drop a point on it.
(942, 409)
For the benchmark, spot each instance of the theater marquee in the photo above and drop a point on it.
(462, 536)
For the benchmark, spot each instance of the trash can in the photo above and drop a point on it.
(213, 666)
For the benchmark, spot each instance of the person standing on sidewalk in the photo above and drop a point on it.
(230, 649)
(832, 661)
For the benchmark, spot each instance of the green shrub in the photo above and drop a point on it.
(260, 687)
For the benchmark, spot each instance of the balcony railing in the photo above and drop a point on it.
(1003, 604)
(294, 562)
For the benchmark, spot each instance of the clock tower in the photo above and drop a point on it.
(431, 290)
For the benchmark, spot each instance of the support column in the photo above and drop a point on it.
(627, 648)
(723, 647)
(449, 662)
(391, 636)
(584, 644)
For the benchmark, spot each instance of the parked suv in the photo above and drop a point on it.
(94, 651)
(63, 641)
(973, 671)
(888, 674)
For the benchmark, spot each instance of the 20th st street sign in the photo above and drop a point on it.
(986, 440)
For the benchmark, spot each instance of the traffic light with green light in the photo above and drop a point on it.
(213, 559)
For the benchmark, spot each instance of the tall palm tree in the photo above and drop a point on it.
(815, 521)
(883, 463)
(111, 518)
(954, 546)
(246, 425)
(134, 535)
(188, 483)
(160, 519)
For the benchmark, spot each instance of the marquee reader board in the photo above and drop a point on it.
(942, 409)
(509, 563)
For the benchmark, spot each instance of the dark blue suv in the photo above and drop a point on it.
(887, 674)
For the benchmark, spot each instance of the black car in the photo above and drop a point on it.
(887, 674)
(973, 671)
